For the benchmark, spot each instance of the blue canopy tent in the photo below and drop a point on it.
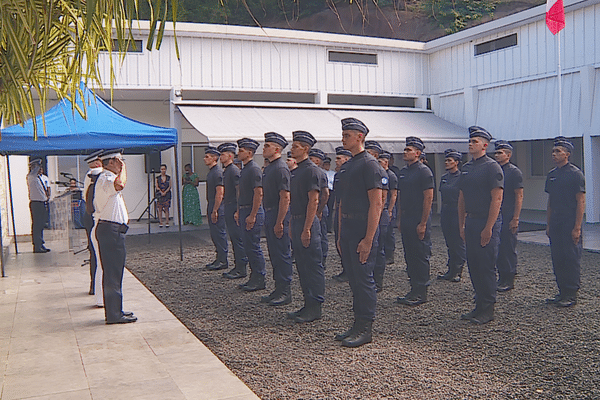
(68, 133)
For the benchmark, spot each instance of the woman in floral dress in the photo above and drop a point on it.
(191, 200)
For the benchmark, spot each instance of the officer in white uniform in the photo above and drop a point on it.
(39, 194)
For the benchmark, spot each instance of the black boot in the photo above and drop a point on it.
(362, 335)
(567, 299)
(219, 265)
(284, 297)
(271, 296)
(211, 264)
(341, 277)
(414, 297)
(486, 315)
(311, 313)
(236, 273)
(341, 336)
(507, 283)
(294, 314)
(446, 276)
(475, 312)
(389, 260)
(256, 282)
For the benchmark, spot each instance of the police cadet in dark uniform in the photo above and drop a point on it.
(305, 228)
(415, 192)
(386, 217)
(317, 156)
(512, 201)
(457, 254)
(390, 241)
(276, 202)
(250, 215)
(361, 202)
(479, 219)
(231, 177)
(565, 186)
(215, 210)
(341, 157)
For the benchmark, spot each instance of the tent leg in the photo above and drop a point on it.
(2, 249)
(179, 203)
(148, 174)
(12, 208)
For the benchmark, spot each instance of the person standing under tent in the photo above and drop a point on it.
(163, 185)
(39, 195)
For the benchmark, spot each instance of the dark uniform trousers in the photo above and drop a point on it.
(482, 260)
(360, 276)
(88, 223)
(416, 251)
(384, 226)
(309, 260)
(389, 239)
(456, 246)
(566, 255)
(336, 231)
(280, 251)
(218, 232)
(507, 251)
(324, 240)
(111, 243)
(251, 239)
(235, 235)
(39, 218)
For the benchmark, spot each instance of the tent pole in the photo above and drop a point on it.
(12, 208)
(179, 203)
(2, 249)
(148, 175)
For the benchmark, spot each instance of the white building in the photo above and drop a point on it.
(233, 82)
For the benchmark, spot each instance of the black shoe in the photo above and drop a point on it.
(218, 266)
(446, 277)
(211, 264)
(455, 278)
(505, 286)
(412, 299)
(128, 313)
(486, 315)
(256, 282)
(362, 335)
(566, 302)
(271, 296)
(125, 319)
(40, 250)
(389, 261)
(378, 288)
(45, 248)
(294, 314)
(342, 277)
(554, 300)
(470, 315)
(236, 273)
(310, 314)
(341, 336)
(284, 298)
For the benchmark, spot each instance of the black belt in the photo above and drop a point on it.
(299, 216)
(123, 228)
(244, 207)
(361, 216)
(39, 201)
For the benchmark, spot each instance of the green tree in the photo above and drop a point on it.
(53, 45)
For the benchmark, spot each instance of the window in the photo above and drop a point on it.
(362, 100)
(352, 57)
(496, 44)
(541, 156)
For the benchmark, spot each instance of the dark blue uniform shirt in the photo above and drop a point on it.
(304, 179)
(449, 188)
(562, 186)
(214, 178)
(276, 177)
(250, 178)
(359, 175)
(478, 178)
(392, 185)
(412, 181)
(231, 178)
(513, 180)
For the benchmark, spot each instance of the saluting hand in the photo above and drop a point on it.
(305, 238)
(278, 230)
(576, 235)
(363, 249)
(421, 228)
(486, 236)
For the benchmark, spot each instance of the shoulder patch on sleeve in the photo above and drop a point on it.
(384, 181)
(499, 176)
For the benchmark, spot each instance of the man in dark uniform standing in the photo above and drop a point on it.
(291, 161)
(415, 192)
(512, 201)
(276, 202)
(112, 217)
(386, 216)
(95, 164)
(479, 219)
(361, 202)
(317, 156)
(341, 157)
(231, 177)
(390, 241)
(215, 210)
(305, 228)
(250, 215)
(565, 186)
(457, 254)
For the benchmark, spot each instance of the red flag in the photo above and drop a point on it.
(555, 15)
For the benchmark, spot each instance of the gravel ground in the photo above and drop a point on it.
(531, 350)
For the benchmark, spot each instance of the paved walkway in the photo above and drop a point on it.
(54, 343)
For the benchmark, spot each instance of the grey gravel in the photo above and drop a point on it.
(531, 350)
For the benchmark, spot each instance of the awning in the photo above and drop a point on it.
(218, 124)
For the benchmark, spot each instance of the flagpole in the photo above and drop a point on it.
(560, 114)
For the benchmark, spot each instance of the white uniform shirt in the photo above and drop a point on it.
(87, 180)
(36, 186)
(109, 203)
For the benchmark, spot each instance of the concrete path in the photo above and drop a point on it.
(54, 343)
